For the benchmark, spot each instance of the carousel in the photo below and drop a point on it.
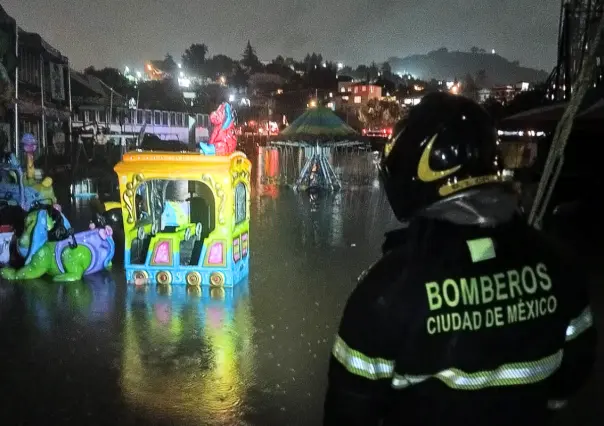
(317, 133)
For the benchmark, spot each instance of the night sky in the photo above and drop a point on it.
(128, 32)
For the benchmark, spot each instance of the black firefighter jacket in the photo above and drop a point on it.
(461, 325)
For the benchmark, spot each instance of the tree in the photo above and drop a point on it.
(468, 87)
(380, 113)
(386, 70)
(240, 77)
(113, 78)
(347, 70)
(161, 94)
(323, 77)
(474, 50)
(194, 58)
(250, 59)
(481, 79)
(362, 72)
(373, 71)
(169, 66)
(279, 60)
(219, 65)
(312, 61)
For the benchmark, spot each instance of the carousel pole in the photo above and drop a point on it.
(17, 91)
(69, 136)
(43, 135)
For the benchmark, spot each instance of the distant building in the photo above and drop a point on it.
(43, 103)
(503, 94)
(351, 94)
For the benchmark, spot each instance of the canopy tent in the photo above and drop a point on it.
(318, 123)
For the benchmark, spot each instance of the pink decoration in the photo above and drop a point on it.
(223, 135)
(109, 230)
(162, 254)
(57, 207)
(91, 226)
(244, 244)
(236, 251)
(215, 257)
(103, 234)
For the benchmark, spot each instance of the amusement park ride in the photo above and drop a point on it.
(185, 219)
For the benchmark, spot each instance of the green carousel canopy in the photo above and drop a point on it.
(318, 123)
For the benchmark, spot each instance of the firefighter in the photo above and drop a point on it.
(471, 317)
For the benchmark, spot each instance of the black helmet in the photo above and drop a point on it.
(446, 145)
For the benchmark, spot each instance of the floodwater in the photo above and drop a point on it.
(102, 352)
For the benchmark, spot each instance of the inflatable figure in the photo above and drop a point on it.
(222, 140)
(49, 246)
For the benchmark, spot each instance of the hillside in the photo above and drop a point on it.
(442, 64)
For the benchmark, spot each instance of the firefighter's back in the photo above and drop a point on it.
(484, 315)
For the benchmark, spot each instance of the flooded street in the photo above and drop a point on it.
(101, 352)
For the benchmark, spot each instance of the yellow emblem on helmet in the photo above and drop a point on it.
(425, 172)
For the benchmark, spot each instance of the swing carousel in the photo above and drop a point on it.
(317, 132)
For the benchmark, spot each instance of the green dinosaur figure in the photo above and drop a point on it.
(59, 259)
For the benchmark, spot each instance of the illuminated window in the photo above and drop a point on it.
(343, 90)
(370, 89)
(356, 89)
(357, 99)
(240, 203)
(364, 88)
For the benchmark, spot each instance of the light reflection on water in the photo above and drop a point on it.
(188, 355)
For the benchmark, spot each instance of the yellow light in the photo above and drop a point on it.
(313, 103)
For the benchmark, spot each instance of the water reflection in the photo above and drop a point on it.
(323, 220)
(187, 354)
(92, 299)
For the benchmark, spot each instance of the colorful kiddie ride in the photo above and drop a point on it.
(186, 217)
(50, 247)
(17, 187)
(18, 193)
